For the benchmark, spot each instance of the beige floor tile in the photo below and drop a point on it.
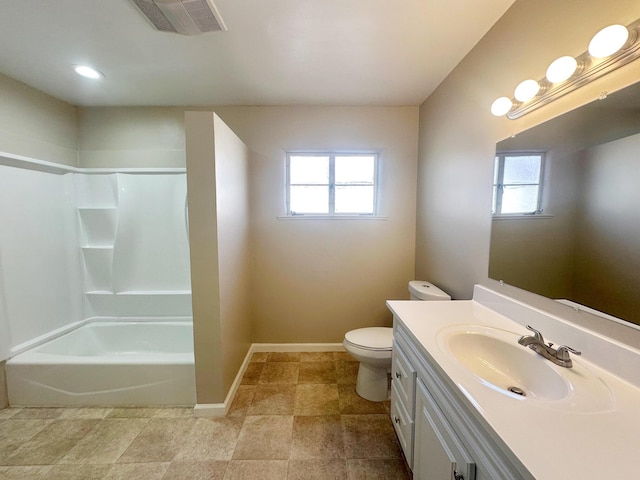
(259, 357)
(377, 469)
(252, 374)
(25, 473)
(347, 372)
(7, 413)
(78, 472)
(174, 412)
(106, 442)
(14, 433)
(273, 399)
(317, 356)
(343, 357)
(214, 470)
(279, 372)
(352, 403)
(317, 437)
(51, 443)
(89, 412)
(318, 469)
(317, 372)
(283, 357)
(369, 436)
(137, 471)
(242, 401)
(256, 470)
(133, 412)
(211, 439)
(37, 412)
(264, 437)
(159, 441)
(316, 400)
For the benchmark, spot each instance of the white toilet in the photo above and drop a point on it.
(372, 347)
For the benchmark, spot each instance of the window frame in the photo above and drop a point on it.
(499, 184)
(332, 184)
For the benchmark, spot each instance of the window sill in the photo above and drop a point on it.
(331, 217)
(522, 216)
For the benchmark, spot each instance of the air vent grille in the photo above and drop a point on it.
(187, 17)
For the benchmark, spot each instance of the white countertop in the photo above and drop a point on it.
(593, 433)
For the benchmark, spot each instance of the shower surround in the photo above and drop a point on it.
(80, 246)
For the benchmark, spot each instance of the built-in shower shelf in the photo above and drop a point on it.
(97, 247)
(98, 225)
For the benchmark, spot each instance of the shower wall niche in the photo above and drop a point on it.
(134, 244)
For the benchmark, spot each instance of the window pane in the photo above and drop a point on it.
(309, 169)
(495, 200)
(522, 169)
(354, 199)
(496, 167)
(309, 199)
(355, 169)
(519, 198)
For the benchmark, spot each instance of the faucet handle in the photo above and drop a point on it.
(563, 352)
(536, 334)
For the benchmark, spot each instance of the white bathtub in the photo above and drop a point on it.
(108, 363)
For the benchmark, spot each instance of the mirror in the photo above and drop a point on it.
(585, 246)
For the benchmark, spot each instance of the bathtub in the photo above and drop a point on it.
(108, 363)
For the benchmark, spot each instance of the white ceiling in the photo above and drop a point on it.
(276, 52)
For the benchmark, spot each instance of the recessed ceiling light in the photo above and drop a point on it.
(88, 72)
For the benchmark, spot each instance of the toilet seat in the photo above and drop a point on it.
(375, 339)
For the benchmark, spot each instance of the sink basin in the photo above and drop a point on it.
(497, 359)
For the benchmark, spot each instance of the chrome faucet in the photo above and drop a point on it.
(559, 356)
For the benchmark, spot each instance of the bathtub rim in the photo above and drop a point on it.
(52, 335)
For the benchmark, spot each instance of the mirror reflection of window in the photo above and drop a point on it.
(517, 183)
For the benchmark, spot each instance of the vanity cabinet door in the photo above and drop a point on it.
(438, 452)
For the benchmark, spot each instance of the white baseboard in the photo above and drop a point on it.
(297, 347)
(220, 409)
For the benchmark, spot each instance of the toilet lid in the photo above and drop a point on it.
(371, 338)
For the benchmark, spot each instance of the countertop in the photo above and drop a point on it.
(593, 433)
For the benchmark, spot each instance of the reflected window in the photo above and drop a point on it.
(517, 183)
(331, 184)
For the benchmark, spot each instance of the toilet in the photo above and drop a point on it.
(372, 347)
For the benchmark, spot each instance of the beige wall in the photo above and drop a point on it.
(36, 125)
(145, 137)
(234, 248)
(217, 183)
(313, 280)
(458, 133)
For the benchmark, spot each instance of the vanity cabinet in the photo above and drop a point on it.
(441, 436)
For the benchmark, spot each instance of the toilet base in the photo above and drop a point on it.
(373, 383)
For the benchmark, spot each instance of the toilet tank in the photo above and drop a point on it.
(419, 290)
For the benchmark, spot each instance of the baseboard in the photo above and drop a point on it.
(297, 347)
(221, 409)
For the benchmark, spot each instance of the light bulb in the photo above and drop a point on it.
(608, 41)
(501, 106)
(526, 90)
(561, 69)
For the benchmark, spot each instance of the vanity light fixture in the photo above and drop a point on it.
(610, 48)
(88, 72)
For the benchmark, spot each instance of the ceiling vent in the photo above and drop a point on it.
(187, 17)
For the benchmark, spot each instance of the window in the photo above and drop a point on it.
(517, 181)
(331, 184)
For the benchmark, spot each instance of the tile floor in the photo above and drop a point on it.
(295, 416)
